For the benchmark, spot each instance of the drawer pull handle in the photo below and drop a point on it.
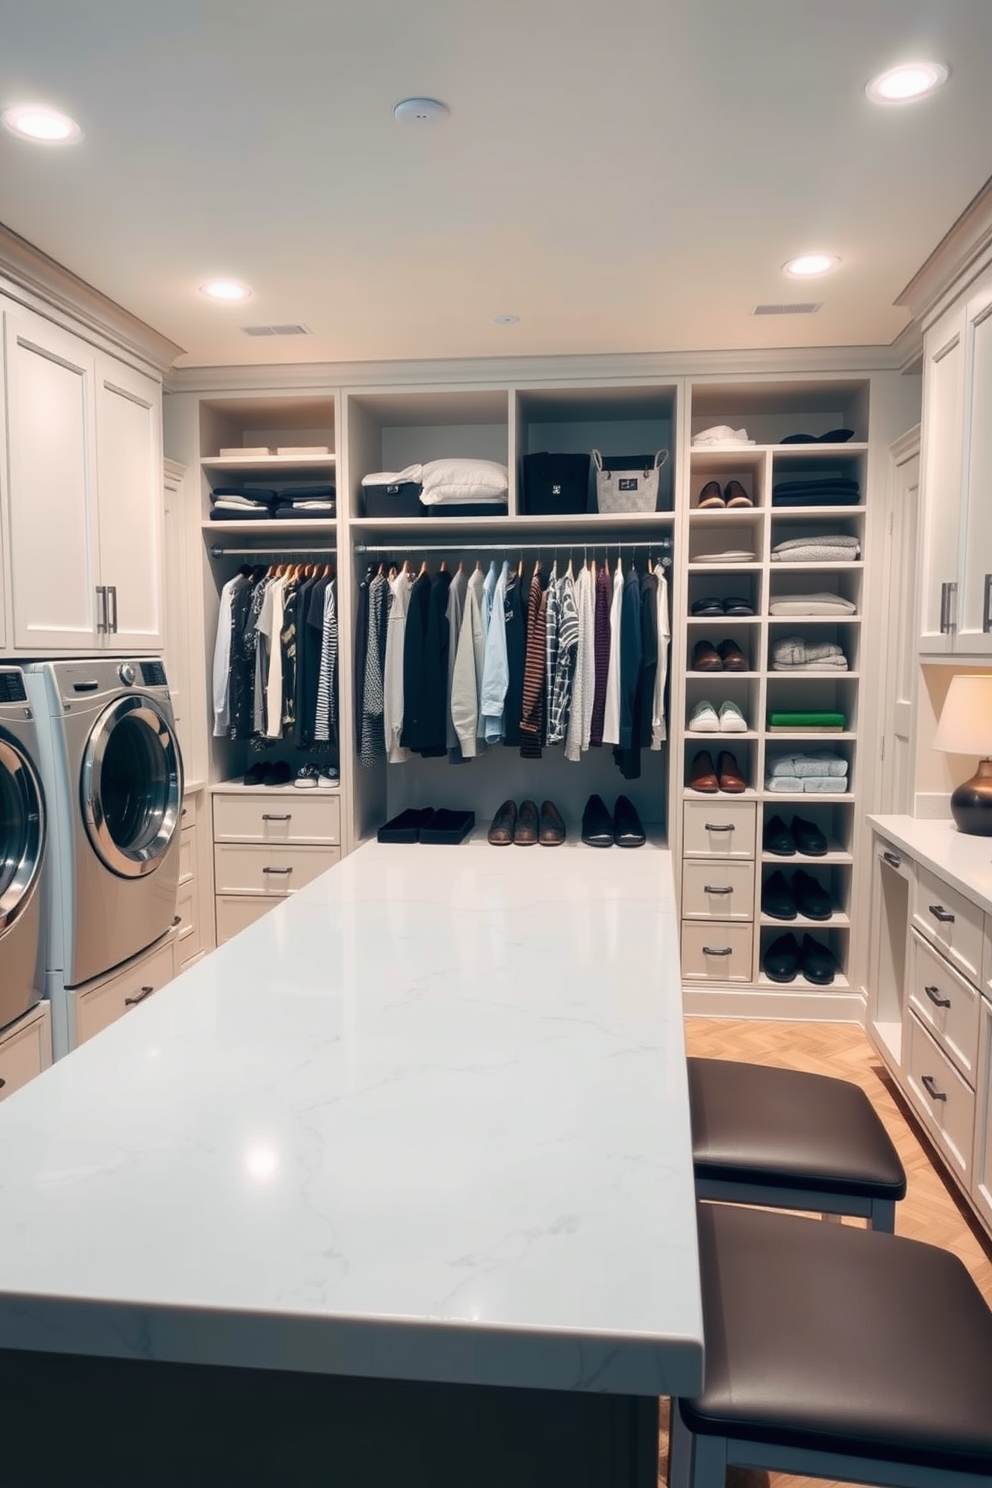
(183, 812)
(177, 919)
(893, 859)
(277, 816)
(934, 995)
(133, 1001)
(940, 913)
(718, 951)
(713, 889)
(930, 1086)
(2, 1084)
(987, 607)
(719, 826)
(277, 870)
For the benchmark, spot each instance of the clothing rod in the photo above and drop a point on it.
(440, 546)
(273, 555)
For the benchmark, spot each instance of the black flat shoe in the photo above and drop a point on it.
(818, 964)
(778, 839)
(627, 829)
(812, 900)
(597, 823)
(255, 774)
(528, 824)
(776, 898)
(808, 838)
(781, 959)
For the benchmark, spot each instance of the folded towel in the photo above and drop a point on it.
(394, 477)
(821, 603)
(305, 513)
(835, 540)
(824, 553)
(818, 762)
(728, 555)
(825, 664)
(720, 434)
(823, 496)
(797, 650)
(825, 785)
(783, 783)
(781, 764)
(239, 503)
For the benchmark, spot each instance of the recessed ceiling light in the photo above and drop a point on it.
(44, 125)
(809, 264)
(228, 290)
(908, 81)
(420, 111)
(505, 319)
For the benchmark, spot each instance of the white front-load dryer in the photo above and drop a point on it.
(112, 773)
(23, 841)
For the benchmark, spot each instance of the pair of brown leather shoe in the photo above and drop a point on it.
(733, 494)
(725, 657)
(725, 776)
(525, 826)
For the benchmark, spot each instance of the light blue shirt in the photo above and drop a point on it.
(495, 671)
(488, 590)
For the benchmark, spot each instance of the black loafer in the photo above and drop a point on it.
(597, 823)
(627, 829)
(736, 605)
(778, 839)
(528, 825)
(781, 959)
(818, 964)
(811, 900)
(808, 838)
(776, 898)
(707, 607)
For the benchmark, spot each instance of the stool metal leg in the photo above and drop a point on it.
(883, 1216)
(680, 1442)
(709, 1462)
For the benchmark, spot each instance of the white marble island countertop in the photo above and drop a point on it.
(426, 1120)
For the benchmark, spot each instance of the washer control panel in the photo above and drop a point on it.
(126, 673)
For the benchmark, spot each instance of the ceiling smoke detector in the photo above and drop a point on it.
(420, 112)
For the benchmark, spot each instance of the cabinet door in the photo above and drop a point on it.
(974, 632)
(129, 464)
(943, 436)
(51, 461)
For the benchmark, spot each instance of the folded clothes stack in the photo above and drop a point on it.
(720, 436)
(241, 503)
(464, 483)
(793, 654)
(820, 603)
(821, 772)
(827, 547)
(817, 490)
(306, 503)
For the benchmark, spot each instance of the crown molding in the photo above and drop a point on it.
(515, 371)
(43, 285)
(907, 348)
(961, 254)
(907, 445)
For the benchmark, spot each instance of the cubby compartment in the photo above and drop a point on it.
(744, 751)
(280, 444)
(791, 639)
(835, 821)
(796, 592)
(726, 540)
(809, 693)
(718, 688)
(835, 938)
(779, 747)
(771, 409)
(388, 431)
(833, 878)
(811, 482)
(747, 467)
(713, 631)
(634, 422)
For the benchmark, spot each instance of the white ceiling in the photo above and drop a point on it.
(623, 175)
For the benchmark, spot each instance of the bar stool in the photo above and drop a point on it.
(793, 1140)
(837, 1352)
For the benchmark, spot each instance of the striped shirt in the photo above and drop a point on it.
(326, 713)
(568, 642)
(535, 660)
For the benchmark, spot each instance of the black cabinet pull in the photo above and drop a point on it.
(930, 1086)
(277, 870)
(987, 607)
(719, 826)
(133, 1001)
(940, 913)
(277, 816)
(177, 919)
(934, 995)
(718, 951)
(2, 1084)
(713, 889)
(893, 859)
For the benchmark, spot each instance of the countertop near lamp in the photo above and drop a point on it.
(426, 1120)
(964, 861)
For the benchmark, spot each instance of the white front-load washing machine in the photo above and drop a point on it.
(112, 774)
(22, 850)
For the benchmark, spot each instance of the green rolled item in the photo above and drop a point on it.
(778, 718)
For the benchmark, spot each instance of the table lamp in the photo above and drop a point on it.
(965, 727)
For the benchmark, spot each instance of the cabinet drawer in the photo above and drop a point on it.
(290, 816)
(190, 939)
(981, 1185)
(945, 1102)
(98, 1006)
(722, 829)
(952, 922)
(717, 951)
(946, 1003)
(235, 912)
(717, 890)
(187, 853)
(187, 812)
(269, 870)
(987, 956)
(25, 1049)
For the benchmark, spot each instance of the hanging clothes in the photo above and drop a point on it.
(372, 747)
(560, 688)
(401, 585)
(627, 753)
(584, 675)
(611, 713)
(494, 670)
(601, 648)
(325, 720)
(466, 679)
(515, 617)
(535, 663)
(659, 731)
(455, 610)
(222, 655)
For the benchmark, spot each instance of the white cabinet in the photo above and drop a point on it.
(84, 494)
(25, 1049)
(973, 635)
(100, 1003)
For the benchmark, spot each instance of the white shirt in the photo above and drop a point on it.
(611, 717)
(392, 679)
(659, 732)
(222, 656)
(269, 623)
(584, 683)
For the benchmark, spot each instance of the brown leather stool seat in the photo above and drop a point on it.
(836, 1352)
(796, 1141)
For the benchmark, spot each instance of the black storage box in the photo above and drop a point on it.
(399, 500)
(407, 826)
(495, 508)
(555, 485)
(448, 826)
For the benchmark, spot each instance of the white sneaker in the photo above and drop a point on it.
(703, 719)
(327, 775)
(306, 777)
(732, 720)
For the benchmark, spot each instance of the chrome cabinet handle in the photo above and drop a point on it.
(930, 1086)
(893, 859)
(718, 951)
(935, 997)
(718, 826)
(987, 607)
(277, 816)
(943, 609)
(277, 870)
(713, 889)
(940, 913)
(101, 618)
(133, 1001)
(112, 621)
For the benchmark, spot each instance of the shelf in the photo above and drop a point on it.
(589, 523)
(807, 736)
(691, 737)
(844, 619)
(836, 567)
(833, 673)
(273, 464)
(837, 513)
(693, 676)
(836, 921)
(839, 984)
(688, 794)
(808, 798)
(732, 568)
(320, 527)
(726, 514)
(228, 787)
(714, 620)
(834, 854)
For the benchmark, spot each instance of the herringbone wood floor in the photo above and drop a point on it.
(931, 1210)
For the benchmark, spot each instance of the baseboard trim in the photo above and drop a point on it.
(776, 1007)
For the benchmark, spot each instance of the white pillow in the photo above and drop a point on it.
(456, 478)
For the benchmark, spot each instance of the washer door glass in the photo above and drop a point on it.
(131, 786)
(22, 831)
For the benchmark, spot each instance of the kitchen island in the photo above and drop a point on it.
(395, 1186)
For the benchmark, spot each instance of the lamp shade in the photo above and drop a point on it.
(965, 725)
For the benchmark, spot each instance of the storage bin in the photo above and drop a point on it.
(555, 485)
(628, 485)
(495, 508)
(399, 500)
